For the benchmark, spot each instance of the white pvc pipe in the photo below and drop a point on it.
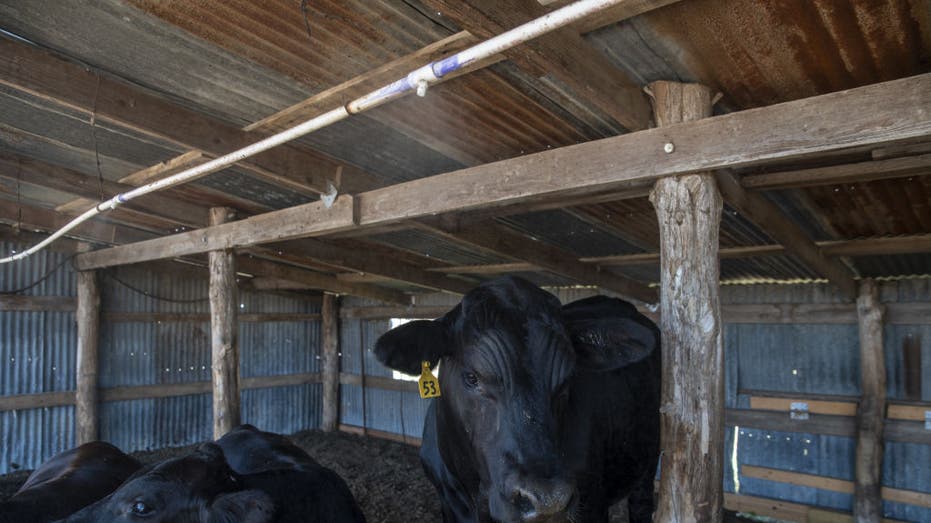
(418, 80)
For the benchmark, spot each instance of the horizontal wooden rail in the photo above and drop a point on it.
(910, 497)
(377, 382)
(786, 510)
(895, 430)
(834, 405)
(14, 302)
(180, 317)
(135, 392)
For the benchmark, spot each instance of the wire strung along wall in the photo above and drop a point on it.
(154, 342)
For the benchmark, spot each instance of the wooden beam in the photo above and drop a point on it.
(767, 216)
(373, 263)
(40, 219)
(838, 174)
(50, 176)
(86, 418)
(383, 313)
(302, 220)
(15, 302)
(563, 53)
(38, 72)
(507, 242)
(186, 317)
(316, 280)
(867, 506)
(910, 497)
(330, 365)
(364, 83)
(689, 212)
(223, 333)
(752, 138)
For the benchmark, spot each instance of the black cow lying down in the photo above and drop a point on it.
(547, 413)
(202, 487)
(68, 482)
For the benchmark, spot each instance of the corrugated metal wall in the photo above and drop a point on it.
(804, 359)
(37, 355)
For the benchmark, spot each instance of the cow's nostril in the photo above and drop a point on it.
(539, 504)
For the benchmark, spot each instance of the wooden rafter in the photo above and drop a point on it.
(771, 220)
(563, 53)
(506, 242)
(37, 72)
(734, 140)
(837, 174)
(50, 176)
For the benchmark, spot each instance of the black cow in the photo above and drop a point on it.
(250, 451)
(68, 482)
(547, 413)
(203, 488)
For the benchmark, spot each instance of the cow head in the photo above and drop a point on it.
(508, 353)
(198, 488)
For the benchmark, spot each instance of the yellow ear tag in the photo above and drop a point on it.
(429, 385)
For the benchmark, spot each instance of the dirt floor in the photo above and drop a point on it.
(385, 476)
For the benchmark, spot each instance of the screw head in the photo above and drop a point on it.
(669, 147)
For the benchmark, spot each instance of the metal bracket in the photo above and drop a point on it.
(798, 410)
(330, 196)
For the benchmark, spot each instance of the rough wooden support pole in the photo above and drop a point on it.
(88, 319)
(868, 505)
(223, 327)
(330, 421)
(692, 414)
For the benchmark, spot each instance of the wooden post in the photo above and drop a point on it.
(868, 506)
(223, 327)
(330, 418)
(88, 319)
(692, 411)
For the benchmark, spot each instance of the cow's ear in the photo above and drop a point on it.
(609, 333)
(404, 348)
(246, 506)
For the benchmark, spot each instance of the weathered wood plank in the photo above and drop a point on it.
(910, 497)
(86, 418)
(507, 242)
(837, 174)
(15, 302)
(561, 53)
(316, 280)
(767, 216)
(373, 263)
(373, 313)
(38, 72)
(688, 209)
(744, 138)
(36, 401)
(180, 317)
(330, 365)
(835, 408)
(294, 222)
(224, 352)
(867, 504)
(50, 176)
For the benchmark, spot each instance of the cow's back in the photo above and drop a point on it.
(69, 482)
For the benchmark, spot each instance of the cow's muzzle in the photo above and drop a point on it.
(541, 500)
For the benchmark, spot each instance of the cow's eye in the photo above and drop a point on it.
(470, 379)
(140, 509)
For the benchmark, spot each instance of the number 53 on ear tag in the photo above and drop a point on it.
(429, 385)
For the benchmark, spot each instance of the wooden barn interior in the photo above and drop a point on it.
(800, 174)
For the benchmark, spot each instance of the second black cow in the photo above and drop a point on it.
(547, 413)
